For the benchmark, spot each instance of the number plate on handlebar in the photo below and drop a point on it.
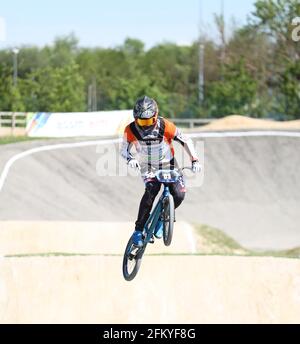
(167, 176)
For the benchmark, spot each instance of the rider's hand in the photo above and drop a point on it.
(196, 166)
(133, 163)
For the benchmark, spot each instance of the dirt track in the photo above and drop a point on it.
(84, 238)
(237, 122)
(91, 289)
(251, 189)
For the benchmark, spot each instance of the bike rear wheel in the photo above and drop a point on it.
(132, 260)
(168, 219)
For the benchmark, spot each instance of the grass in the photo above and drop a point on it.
(4, 140)
(292, 253)
(212, 241)
(59, 254)
(209, 242)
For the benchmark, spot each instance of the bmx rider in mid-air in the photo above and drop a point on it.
(152, 136)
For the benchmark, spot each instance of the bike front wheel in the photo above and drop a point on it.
(132, 260)
(168, 219)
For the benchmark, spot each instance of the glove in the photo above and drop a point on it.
(196, 166)
(133, 163)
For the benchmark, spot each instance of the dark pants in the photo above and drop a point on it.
(152, 189)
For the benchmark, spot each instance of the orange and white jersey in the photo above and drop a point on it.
(154, 146)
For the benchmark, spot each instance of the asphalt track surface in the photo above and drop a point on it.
(251, 189)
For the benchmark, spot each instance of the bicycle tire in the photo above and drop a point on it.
(129, 276)
(168, 219)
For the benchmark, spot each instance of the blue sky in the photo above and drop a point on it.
(108, 23)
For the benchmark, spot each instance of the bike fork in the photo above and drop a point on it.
(166, 193)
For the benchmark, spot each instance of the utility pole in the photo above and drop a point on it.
(94, 95)
(90, 88)
(201, 80)
(223, 33)
(201, 73)
(15, 62)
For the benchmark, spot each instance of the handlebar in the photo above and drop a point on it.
(170, 176)
(186, 168)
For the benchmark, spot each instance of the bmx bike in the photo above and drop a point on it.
(164, 211)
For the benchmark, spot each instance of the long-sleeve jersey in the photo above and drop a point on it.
(154, 146)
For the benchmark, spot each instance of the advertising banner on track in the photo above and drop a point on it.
(104, 123)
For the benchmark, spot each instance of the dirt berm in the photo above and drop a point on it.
(251, 189)
(168, 289)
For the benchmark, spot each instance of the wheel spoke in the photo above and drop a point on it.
(130, 266)
(131, 261)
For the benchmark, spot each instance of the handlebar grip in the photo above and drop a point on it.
(187, 168)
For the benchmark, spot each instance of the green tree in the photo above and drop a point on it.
(5, 88)
(290, 88)
(63, 51)
(56, 90)
(10, 97)
(133, 47)
(274, 18)
(235, 93)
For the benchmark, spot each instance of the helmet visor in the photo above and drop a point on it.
(146, 122)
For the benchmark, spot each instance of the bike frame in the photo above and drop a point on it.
(155, 215)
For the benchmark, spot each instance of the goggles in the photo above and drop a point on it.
(146, 122)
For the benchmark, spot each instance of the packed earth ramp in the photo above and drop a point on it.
(191, 289)
(250, 189)
(63, 230)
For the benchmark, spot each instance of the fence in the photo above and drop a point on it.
(11, 121)
(192, 122)
(14, 123)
